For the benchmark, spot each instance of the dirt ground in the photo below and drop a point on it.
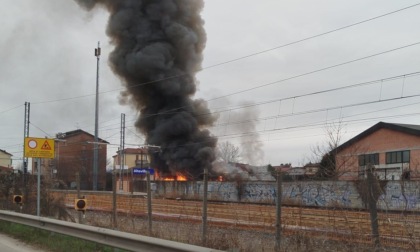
(228, 238)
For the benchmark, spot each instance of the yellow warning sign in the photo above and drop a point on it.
(39, 147)
(46, 146)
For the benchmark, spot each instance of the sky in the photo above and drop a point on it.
(264, 73)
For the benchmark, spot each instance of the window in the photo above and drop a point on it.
(366, 159)
(396, 157)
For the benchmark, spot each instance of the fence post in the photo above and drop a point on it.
(205, 187)
(38, 188)
(149, 203)
(79, 213)
(278, 212)
(372, 207)
(114, 199)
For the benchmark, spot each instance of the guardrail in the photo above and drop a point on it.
(116, 239)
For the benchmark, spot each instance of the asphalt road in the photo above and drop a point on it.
(8, 244)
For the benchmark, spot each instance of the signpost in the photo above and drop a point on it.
(39, 148)
(143, 171)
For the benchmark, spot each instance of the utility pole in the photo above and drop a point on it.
(122, 143)
(278, 212)
(149, 204)
(38, 189)
(95, 145)
(204, 213)
(25, 135)
(114, 198)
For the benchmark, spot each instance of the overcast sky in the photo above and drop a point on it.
(47, 59)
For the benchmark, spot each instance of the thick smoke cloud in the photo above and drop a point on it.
(158, 50)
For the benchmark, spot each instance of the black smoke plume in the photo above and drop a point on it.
(158, 50)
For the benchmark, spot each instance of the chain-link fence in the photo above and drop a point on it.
(242, 216)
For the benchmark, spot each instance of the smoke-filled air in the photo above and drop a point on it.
(158, 50)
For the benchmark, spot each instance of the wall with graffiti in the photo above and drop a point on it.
(400, 195)
(394, 195)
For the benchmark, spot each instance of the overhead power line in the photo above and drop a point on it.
(315, 71)
(243, 57)
(319, 110)
(47, 134)
(229, 109)
(310, 37)
(305, 125)
(7, 110)
(405, 76)
(320, 122)
(226, 109)
(298, 76)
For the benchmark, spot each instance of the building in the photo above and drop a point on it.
(307, 172)
(132, 158)
(74, 153)
(5, 159)
(47, 167)
(311, 170)
(393, 149)
(283, 168)
(296, 173)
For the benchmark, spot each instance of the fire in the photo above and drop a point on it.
(181, 177)
(177, 177)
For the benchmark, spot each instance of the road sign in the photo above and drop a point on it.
(39, 147)
(143, 171)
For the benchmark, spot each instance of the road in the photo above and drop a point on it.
(8, 244)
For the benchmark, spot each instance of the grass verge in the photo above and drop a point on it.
(51, 241)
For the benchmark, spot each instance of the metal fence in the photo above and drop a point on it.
(314, 216)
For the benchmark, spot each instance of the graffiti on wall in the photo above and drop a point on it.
(262, 192)
(400, 196)
(320, 194)
(397, 195)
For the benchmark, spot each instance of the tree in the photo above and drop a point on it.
(327, 166)
(228, 152)
(325, 154)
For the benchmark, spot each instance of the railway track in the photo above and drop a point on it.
(396, 229)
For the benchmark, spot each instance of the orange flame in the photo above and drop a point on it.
(180, 177)
(177, 177)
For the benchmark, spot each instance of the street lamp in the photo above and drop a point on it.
(95, 150)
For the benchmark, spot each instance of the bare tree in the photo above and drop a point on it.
(335, 162)
(325, 154)
(228, 152)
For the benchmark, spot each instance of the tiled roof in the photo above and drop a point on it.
(5, 152)
(136, 150)
(76, 132)
(404, 128)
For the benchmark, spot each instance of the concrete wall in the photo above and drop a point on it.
(396, 195)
